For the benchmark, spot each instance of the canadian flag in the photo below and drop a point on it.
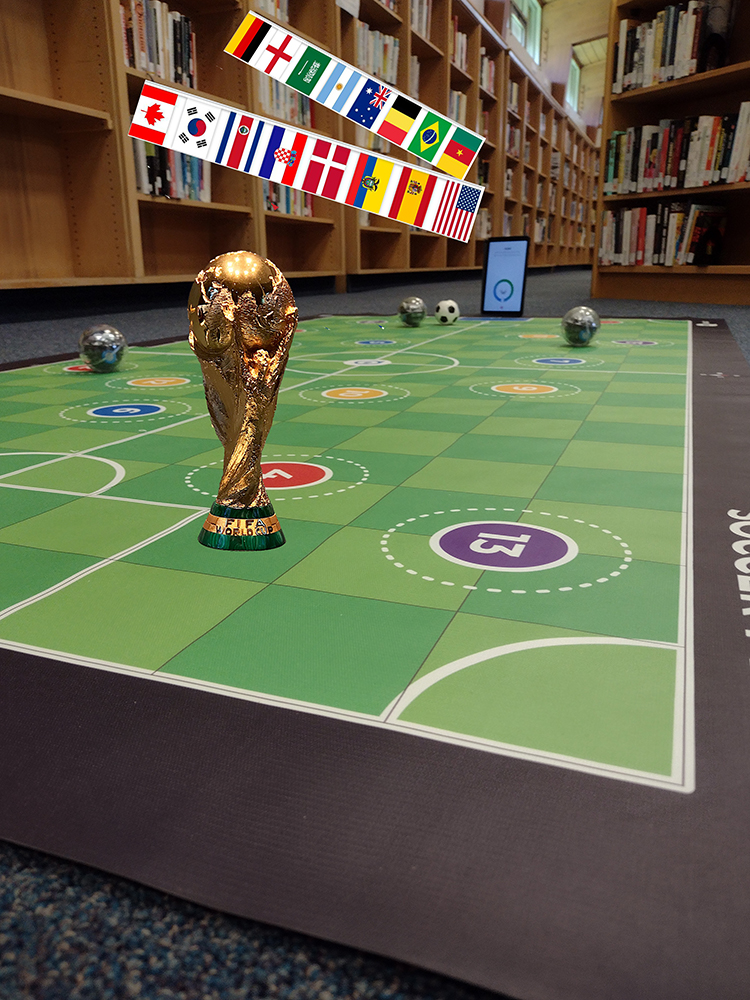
(153, 114)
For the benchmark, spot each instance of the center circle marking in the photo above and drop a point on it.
(503, 546)
(123, 410)
(525, 389)
(354, 392)
(293, 475)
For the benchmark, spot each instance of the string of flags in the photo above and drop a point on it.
(407, 123)
(325, 167)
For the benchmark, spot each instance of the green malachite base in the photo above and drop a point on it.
(241, 529)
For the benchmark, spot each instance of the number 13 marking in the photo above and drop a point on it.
(482, 545)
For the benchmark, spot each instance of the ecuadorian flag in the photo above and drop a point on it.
(369, 182)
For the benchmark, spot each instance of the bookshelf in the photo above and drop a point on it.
(715, 92)
(76, 216)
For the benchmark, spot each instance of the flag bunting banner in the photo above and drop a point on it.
(273, 49)
(324, 167)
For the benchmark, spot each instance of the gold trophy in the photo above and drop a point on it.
(242, 319)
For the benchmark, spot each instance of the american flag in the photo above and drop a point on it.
(456, 210)
(381, 96)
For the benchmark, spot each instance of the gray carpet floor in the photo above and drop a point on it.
(68, 932)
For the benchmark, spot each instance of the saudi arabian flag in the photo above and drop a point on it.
(308, 70)
(429, 136)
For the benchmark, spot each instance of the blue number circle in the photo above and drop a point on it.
(122, 411)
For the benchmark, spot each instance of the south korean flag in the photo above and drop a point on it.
(194, 126)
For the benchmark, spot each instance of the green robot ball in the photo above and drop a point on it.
(412, 311)
(579, 325)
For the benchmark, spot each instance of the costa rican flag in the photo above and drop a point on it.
(456, 210)
(325, 167)
(153, 114)
(235, 139)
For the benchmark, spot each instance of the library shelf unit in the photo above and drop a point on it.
(75, 216)
(716, 92)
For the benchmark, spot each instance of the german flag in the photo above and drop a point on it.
(459, 153)
(248, 38)
(399, 119)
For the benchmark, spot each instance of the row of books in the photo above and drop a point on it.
(514, 95)
(507, 223)
(486, 71)
(286, 200)
(540, 229)
(366, 139)
(457, 106)
(421, 17)
(483, 224)
(414, 77)
(169, 174)
(377, 53)
(668, 234)
(679, 153)
(683, 39)
(483, 172)
(459, 47)
(158, 40)
(283, 103)
(276, 8)
(483, 122)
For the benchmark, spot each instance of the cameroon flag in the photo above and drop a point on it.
(429, 136)
(459, 154)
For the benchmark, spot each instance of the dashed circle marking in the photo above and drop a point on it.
(283, 459)
(523, 528)
(537, 391)
(353, 393)
(126, 410)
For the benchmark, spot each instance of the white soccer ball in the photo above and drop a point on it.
(447, 311)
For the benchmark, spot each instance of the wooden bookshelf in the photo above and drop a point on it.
(77, 218)
(716, 92)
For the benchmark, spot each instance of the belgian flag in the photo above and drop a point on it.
(399, 119)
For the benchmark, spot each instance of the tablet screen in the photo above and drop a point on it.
(505, 275)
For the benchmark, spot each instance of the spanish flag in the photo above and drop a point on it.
(399, 120)
(459, 153)
(412, 197)
(247, 39)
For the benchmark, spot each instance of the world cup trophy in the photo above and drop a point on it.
(242, 319)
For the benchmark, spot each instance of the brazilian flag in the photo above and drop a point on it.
(429, 136)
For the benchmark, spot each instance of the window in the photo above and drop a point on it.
(526, 25)
(573, 90)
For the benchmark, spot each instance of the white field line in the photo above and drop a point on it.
(56, 588)
(101, 496)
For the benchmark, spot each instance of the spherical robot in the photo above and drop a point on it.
(579, 326)
(447, 311)
(102, 347)
(412, 311)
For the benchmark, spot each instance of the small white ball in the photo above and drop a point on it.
(447, 311)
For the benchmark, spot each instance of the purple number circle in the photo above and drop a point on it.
(505, 546)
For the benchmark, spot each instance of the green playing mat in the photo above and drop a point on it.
(487, 535)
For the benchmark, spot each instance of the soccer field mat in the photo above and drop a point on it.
(489, 558)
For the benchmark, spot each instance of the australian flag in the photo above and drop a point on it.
(362, 110)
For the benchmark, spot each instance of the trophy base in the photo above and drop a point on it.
(241, 529)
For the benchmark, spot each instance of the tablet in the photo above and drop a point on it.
(504, 277)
